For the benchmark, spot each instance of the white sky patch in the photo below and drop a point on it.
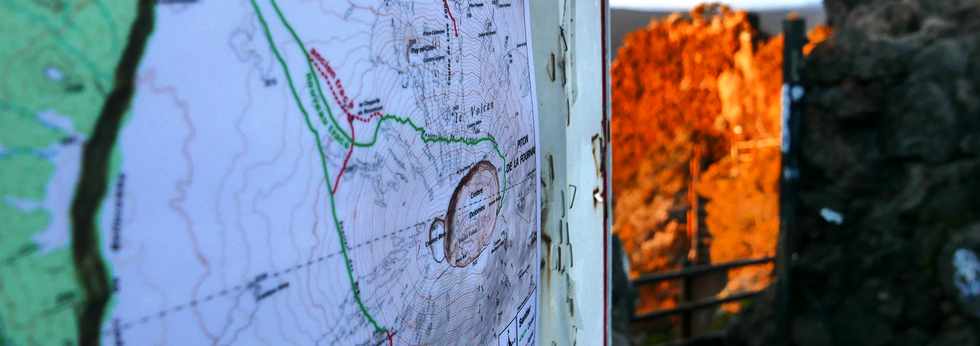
(688, 4)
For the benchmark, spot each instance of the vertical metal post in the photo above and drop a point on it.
(792, 98)
(695, 253)
(687, 295)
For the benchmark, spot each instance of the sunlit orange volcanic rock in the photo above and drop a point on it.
(709, 82)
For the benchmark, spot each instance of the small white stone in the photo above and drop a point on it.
(797, 93)
(967, 275)
(831, 216)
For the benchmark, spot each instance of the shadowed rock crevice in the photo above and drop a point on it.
(891, 139)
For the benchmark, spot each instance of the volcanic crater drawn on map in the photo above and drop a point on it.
(470, 218)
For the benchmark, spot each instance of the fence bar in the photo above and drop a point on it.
(685, 307)
(698, 270)
(687, 316)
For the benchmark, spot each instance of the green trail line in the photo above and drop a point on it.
(423, 134)
(426, 138)
(309, 64)
(429, 138)
(326, 173)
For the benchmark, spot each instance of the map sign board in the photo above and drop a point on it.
(360, 172)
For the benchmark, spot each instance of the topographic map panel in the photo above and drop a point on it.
(327, 172)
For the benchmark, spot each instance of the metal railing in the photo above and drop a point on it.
(687, 305)
(698, 270)
(795, 39)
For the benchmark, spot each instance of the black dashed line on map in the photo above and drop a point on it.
(224, 292)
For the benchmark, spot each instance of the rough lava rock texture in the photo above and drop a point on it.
(892, 143)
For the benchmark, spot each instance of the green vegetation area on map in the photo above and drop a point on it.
(57, 58)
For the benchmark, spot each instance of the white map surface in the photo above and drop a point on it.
(327, 172)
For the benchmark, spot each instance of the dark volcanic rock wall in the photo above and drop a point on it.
(892, 144)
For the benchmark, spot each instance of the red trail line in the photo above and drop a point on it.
(445, 4)
(327, 74)
(367, 119)
(350, 120)
(350, 150)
